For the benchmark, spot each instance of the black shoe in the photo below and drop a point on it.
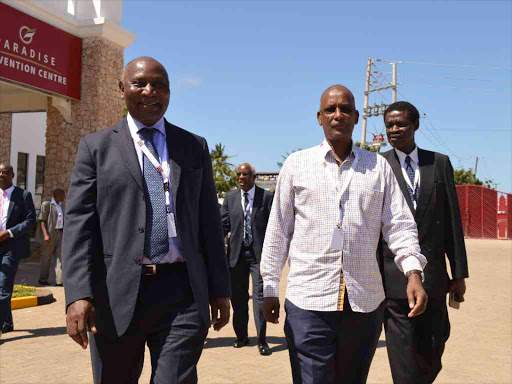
(7, 329)
(264, 349)
(241, 342)
(41, 282)
(59, 285)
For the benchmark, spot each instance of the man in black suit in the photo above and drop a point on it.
(245, 213)
(415, 345)
(143, 253)
(17, 217)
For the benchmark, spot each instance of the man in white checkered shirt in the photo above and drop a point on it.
(331, 203)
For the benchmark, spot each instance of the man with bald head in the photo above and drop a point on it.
(331, 203)
(143, 251)
(245, 213)
(17, 217)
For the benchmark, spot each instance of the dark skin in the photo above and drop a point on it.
(245, 177)
(144, 87)
(400, 130)
(6, 176)
(338, 116)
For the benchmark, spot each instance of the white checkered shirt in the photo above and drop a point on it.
(304, 215)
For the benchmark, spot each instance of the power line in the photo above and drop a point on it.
(476, 130)
(451, 87)
(456, 65)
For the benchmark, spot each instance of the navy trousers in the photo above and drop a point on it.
(166, 318)
(247, 265)
(331, 347)
(8, 268)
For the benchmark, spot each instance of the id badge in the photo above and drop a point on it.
(337, 239)
(171, 225)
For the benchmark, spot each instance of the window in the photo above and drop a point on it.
(21, 178)
(40, 165)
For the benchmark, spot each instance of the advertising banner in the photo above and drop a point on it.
(38, 55)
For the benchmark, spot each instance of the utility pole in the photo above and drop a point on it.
(366, 98)
(376, 110)
(476, 164)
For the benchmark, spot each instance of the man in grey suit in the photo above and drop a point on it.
(143, 252)
(49, 235)
(17, 217)
(245, 214)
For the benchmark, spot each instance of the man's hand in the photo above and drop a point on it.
(271, 309)
(80, 317)
(458, 286)
(4, 236)
(416, 295)
(46, 239)
(222, 305)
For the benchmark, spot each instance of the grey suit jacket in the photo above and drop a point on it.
(233, 221)
(439, 226)
(21, 218)
(103, 240)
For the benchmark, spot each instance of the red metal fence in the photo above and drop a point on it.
(486, 213)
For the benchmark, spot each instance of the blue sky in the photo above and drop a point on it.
(249, 74)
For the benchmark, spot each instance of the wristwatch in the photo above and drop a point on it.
(409, 273)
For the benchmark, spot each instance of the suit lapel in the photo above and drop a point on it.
(397, 170)
(174, 151)
(427, 170)
(12, 202)
(126, 147)
(257, 202)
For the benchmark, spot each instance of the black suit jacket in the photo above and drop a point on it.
(233, 221)
(439, 226)
(103, 241)
(21, 218)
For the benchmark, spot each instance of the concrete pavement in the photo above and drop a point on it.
(478, 351)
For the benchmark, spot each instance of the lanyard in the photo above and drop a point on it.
(340, 192)
(158, 167)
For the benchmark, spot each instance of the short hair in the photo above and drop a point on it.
(413, 113)
(8, 166)
(57, 191)
(253, 170)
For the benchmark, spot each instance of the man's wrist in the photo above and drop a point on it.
(417, 272)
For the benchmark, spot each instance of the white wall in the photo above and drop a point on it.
(28, 136)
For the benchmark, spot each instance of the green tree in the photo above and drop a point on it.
(285, 156)
(224, 174)
(464, 177)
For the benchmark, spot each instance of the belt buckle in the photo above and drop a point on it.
(151, 272)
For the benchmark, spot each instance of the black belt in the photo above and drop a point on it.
(59, 229)
(156, 269)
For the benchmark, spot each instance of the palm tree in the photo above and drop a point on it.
(223, 172)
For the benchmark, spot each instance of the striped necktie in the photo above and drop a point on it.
(411, 174)
(247, 221)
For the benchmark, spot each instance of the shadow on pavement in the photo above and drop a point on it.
(41, 332)
(228, 342)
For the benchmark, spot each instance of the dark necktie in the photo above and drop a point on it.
(156, 243)
(247, 220)
(410, 173)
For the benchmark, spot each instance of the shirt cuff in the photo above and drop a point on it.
(270, 289)
(10, 233)
(410, 263)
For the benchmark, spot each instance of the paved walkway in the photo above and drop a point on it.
(479, 349)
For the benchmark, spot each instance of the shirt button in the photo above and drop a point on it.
(138, 261)
(141, 229)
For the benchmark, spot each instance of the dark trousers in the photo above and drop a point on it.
(247, 265)
(415, 345)
(8, 268)
(331, 347)
(167, 319)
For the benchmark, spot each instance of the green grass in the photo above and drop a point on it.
(23, 291)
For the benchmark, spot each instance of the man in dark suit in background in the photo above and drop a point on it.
(17, 217)
(245, 214)
(415, 345)
(143, 253)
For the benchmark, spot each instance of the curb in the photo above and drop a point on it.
(42, 297)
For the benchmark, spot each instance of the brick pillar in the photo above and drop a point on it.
(5, 138)
(100, 107)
